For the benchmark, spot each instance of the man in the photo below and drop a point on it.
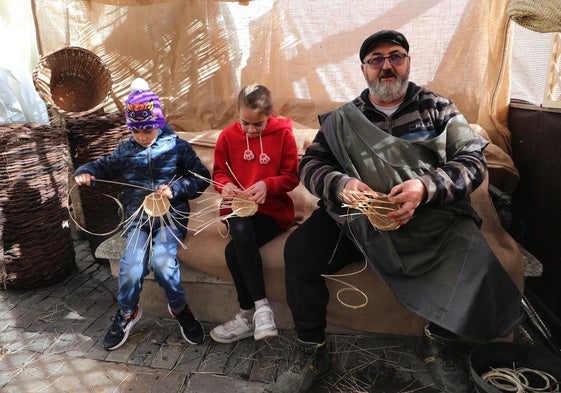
(402, 140)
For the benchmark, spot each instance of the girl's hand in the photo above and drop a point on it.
(84, 179)
(230, 190)
(257, 192)
(165, 191)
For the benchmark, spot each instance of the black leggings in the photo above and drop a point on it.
(314, 248)
(243, 257)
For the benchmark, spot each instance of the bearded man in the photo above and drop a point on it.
(413, 145)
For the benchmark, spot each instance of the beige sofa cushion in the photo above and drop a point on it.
(382, 313)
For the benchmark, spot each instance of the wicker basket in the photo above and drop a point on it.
(91, 137)
(73, 81)
(543, 16)
(37, 247)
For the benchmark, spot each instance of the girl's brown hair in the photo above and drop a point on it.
(256, 97)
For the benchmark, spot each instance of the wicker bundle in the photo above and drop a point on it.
(375, 208)
(91, 137)
(156, 205)
(37, 247)
(543, 16)
(72, 80)
(3, 272)
(242, 206)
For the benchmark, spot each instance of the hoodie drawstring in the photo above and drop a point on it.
(248, 154)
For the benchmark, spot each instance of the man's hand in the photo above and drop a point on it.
(355, 185)
(409, 195)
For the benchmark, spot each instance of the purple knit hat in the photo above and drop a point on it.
(142, 107)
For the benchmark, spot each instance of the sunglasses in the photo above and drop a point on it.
(395, 59)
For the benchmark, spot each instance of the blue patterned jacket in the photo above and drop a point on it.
(168, 160)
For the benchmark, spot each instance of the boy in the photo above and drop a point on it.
(153, 158)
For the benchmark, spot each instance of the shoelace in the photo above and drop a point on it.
(119, 321)
(232, 323)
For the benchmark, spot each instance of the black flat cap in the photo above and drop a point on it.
(382, 36)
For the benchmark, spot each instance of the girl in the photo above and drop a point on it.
(255, 158)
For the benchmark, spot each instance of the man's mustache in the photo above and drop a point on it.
(387, 74)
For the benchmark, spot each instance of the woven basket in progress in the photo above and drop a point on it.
(375, 208)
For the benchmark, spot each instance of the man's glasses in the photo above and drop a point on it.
(395, 59)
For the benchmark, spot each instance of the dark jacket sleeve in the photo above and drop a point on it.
(190, 186)
(462, 173)
(320, 172)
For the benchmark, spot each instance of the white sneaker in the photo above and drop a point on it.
(233, 330)
(264, 323)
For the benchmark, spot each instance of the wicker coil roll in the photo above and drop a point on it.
(73, 81)
(543, 16)
(37, 247)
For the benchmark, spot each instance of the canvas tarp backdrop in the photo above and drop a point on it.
(197, 54)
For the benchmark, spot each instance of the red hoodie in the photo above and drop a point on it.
(280, 174)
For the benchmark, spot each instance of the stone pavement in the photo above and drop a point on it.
(50, 342)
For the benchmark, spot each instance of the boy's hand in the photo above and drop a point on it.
(165, 191)
(84, 179)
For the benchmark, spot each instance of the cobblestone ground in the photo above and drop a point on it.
(50, 342)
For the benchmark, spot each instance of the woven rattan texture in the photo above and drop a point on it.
(37, 243)
(543, 16)
(91, 137)
(73, 80)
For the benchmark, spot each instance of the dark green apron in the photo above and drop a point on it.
(438, 265)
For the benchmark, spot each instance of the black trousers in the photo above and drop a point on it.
(316, 247)
(243, 257)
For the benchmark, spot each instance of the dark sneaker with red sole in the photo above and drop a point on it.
(119, 331)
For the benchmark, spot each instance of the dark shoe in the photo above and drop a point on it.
(446, 360)
(120, 329)
(191, 329)
(312, 362)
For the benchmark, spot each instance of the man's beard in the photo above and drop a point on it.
(387, 91)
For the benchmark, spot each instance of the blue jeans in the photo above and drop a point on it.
(134, 266)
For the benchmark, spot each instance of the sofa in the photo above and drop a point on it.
(211, 293)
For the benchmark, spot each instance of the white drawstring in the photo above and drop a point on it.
(263, 158)
(248, 154)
